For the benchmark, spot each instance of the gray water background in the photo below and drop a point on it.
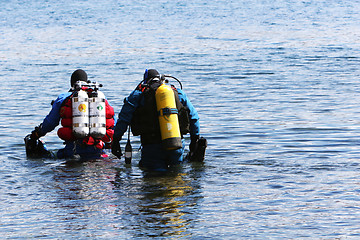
(276, 85)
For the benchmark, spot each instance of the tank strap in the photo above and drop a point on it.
(168, 111)
(80, 124)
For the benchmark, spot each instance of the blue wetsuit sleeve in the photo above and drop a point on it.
(193, 114)
(53, 118)
(126, 113)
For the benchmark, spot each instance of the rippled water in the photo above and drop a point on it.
(276, 85)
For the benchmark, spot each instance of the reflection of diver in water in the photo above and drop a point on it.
(160, 206)
(81, 194)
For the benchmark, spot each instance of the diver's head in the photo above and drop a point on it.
(78, 75)
(149, 74)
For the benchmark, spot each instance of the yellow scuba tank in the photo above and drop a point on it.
(168, 118)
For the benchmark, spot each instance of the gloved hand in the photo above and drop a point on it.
(197, 149)
(193, 143)
(35, 134)
(115, 148)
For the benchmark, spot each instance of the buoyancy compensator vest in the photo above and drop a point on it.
(87, 115)
(159, 120)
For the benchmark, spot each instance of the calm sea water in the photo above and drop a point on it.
(277, 88)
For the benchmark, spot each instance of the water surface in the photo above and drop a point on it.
(276, 85)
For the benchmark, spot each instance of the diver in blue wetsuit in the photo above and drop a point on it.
(140, 112)
(85, 147)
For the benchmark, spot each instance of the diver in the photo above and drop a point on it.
(87, 121)
(161, 115)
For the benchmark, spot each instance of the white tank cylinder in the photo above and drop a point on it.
(97, 114)
(80, 114)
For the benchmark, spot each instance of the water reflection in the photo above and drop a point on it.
(161, 205)
(84, 196)
(107, 195)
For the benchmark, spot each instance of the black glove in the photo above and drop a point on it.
(35, 134)
(115, 148)
(197, 149)
(193, 143)
(35, 148)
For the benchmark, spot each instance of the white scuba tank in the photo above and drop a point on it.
(97, 114)
(80, 114)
